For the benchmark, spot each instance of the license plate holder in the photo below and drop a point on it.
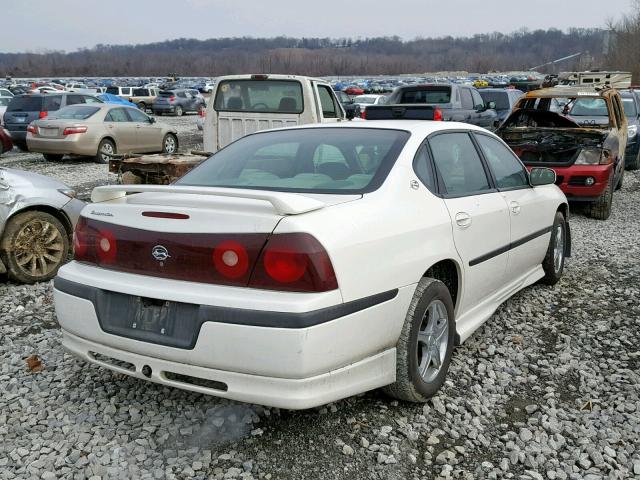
(154, 316)
(48, 132)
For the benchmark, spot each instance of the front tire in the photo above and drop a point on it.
(106, 148)
(425, 346)
(169, 143)
(34, 246)
(51, 157)
(601, 208)
(553, 263)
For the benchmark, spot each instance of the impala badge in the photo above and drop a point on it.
(160, 253)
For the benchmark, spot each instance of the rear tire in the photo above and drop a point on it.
(425, 346)
(178, 111)
(52, 157)
(553, 263)
(634, 164)
(170, 143)
(105, 149)
(22, 146)
(34, 246)
(601, 208)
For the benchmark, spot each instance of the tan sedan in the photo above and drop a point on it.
(99, 130)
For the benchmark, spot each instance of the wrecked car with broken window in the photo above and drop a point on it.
(580, 133)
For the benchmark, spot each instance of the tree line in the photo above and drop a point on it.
(520, 50)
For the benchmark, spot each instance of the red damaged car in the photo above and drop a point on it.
(581, 133)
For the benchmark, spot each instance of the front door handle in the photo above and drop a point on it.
(463, 219)
(515, 207)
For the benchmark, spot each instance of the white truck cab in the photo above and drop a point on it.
(244, 104)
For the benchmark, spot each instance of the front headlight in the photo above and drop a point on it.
(68, 192)
(589, 156)
(633, 131)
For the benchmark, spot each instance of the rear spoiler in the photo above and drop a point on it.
(284, 203)
(402, 112)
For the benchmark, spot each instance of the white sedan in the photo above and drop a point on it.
(300, 266)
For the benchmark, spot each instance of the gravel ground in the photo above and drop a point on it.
(549, 388)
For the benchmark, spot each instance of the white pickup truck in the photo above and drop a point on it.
(243, 104)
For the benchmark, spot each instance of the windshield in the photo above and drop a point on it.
(310, 160)
(584, 107)
(25, 104)
(259, 96)
(75, 112)
(630, 109)
(365, 99)
(427, 95)
(501, 99)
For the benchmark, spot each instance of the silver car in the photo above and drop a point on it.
(99, 130)
(37, 218)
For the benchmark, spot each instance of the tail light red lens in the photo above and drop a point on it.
(437, 115)
(363, 114)
(43, 115)
(32, 129)
(294, 262)
(171, 99)
(231, 259)
(73, 130)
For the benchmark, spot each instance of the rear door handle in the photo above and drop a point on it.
(463, 219)
(515, 207)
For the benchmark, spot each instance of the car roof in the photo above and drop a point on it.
(415, 127)
(568, 92)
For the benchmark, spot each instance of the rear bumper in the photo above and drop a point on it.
(163, 108)
(64, 146)
(287, 360)
(17, 134)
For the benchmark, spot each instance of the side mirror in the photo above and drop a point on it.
(539, 176)
(491, 105)
(152, 120)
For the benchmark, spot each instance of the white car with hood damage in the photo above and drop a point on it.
(299, 266)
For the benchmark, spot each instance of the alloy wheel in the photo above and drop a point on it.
(433, 340)
(38, 248)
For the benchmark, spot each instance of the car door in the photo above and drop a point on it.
(531, 213)
(485, 117)
(148, 134)
(469, 115)
(479, 215)
(327, 104)
(121, 128)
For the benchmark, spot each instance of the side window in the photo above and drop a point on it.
(90, 99)
(74, 99)
(477, 100)
(116, 115)
(328, 154)
(329, 109)
(458, 164)
(507, 170)
(422, 167)
(467, 99)
(126, 91)
(52, 103)
(181, 94)
(137, 115)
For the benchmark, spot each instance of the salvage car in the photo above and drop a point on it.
(456, 103)
(579, 132)
(37, 217)
(99, 131)
(245, 279)
(631, 105)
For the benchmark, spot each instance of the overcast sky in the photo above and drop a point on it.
(40, 25)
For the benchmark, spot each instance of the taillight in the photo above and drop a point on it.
(106, 246)
(294, 262)
(363, 114)
(80, 240)
(32, 129)
(43, 115)
(171, 99)
(231, 259)
(73, 130)
(437, 115)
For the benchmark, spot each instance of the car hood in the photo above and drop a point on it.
(17, 179)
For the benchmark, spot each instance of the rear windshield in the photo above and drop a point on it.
(166, 93)
(259, 96)
(312, 160)
(25, 104)
(630, 109)
(587, 107)
(501, 99)
(74, 113)
(427, 95)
